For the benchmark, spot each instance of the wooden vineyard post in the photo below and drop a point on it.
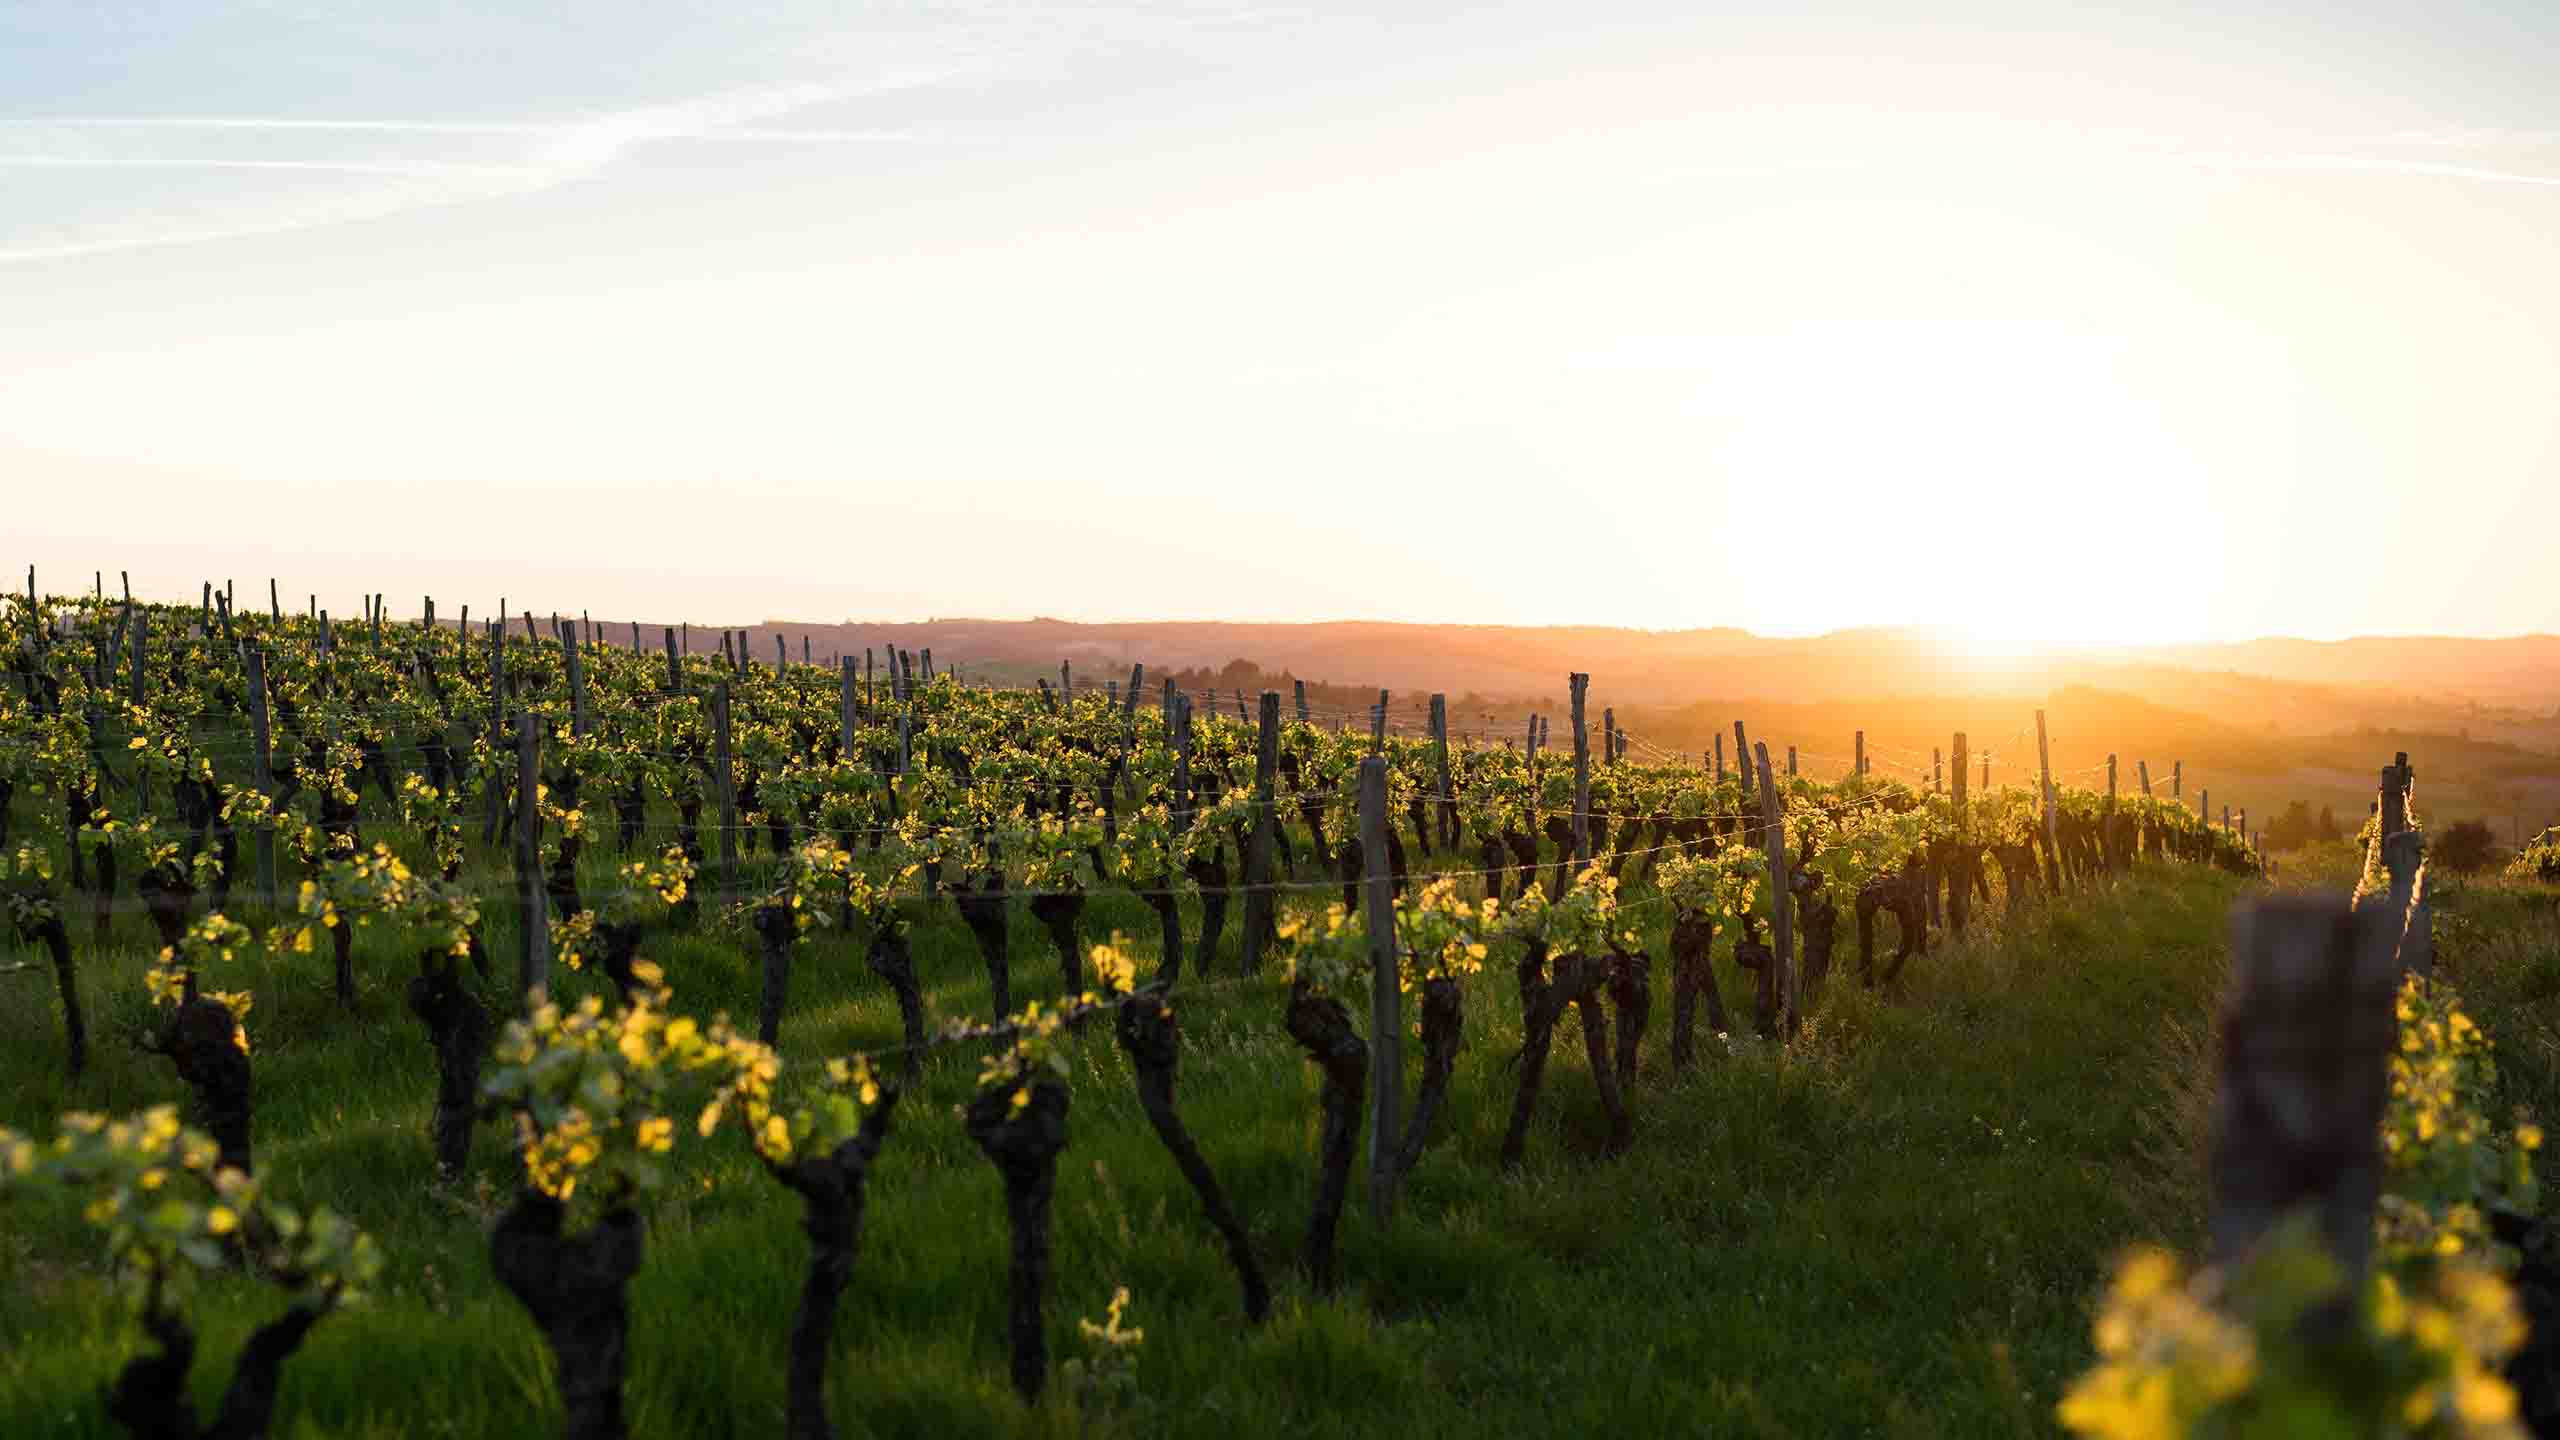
(2177, 778)
(844, 709)
(534, 961)
(1440, 761)
(1261, 928)
(1860, 762)
(1580, 684)
(135, 642)
(2142, 776)
(781, 656)
(1608, 735)
(1781, 933)
(1719, 757)
(497, 718)
(2204, 806)
(264, 774)
(275, 603)
(1129, 702)
(728, 786)
(577, 682)
(1386, 1022)
(1937, 770)
(1304, 718)
(1791, 762)
(2107, 842)
(2052, 835)
(1179, 721)
(1742, 758)
(1530, 754)
(675, 677)
(2403, 861)
(1378, 726)
(2307, 1026)
(1969, 855)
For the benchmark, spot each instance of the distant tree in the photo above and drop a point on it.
(2465, 847)
(2293, 829)
(2327, 830)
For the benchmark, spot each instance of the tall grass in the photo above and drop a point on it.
(1896, 1229)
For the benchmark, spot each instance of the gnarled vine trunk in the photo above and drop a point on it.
(1152, 1038)
(1322, 1028)
(576, 1288)
(831, 1188)
(458, 1027)
(1023, 1141)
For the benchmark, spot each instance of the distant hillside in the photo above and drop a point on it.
(2258, 724)
(2523, 670)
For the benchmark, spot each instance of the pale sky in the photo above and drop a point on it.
(2056, 322)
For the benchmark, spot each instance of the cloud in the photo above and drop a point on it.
(553, 154)
(2375, 164)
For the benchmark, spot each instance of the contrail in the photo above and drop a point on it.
(559, 153)
(348, 167)
(2374, 164)
(288, 124)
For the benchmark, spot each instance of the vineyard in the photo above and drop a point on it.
(641, 1018)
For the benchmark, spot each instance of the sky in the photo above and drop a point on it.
(2049, 324)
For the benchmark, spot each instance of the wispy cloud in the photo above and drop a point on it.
(553, 154)
(341, 167)
(2376, 164)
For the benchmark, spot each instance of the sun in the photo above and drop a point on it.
(1996, 642)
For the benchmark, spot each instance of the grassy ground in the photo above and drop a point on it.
(1895, 1230)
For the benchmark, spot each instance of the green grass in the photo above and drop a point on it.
(1897, 1229)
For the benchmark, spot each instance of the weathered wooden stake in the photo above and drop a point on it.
(2307, 1029)
(1440, 760)
(844, 710)
(577, 683)
(1261, 927)
(497, 718)
(534, 961)
(1386, 986)
(263, 773)
(1781, 927)
(2052, 832)
(728, 787)
(1580, 685)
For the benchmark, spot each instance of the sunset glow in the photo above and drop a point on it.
(1804, 323)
